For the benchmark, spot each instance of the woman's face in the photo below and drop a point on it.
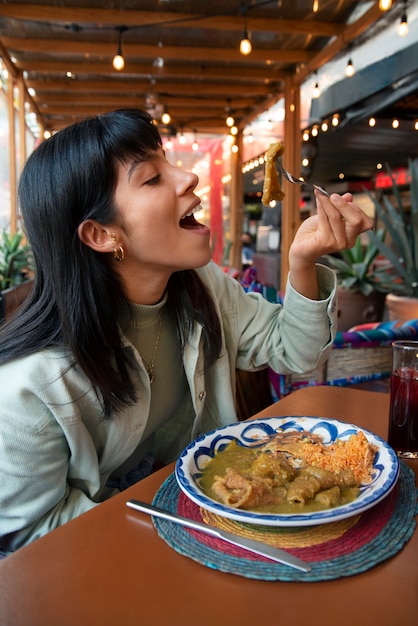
(155, 202)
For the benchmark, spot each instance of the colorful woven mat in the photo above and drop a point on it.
(334, 550)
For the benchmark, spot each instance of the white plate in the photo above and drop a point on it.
(195, 457)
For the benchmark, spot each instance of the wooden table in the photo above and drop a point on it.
(109, 566)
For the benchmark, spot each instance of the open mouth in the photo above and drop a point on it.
(189, 222)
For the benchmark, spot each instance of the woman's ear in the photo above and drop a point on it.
(96, 236)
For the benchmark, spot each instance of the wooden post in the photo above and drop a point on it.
(291, 162)
(12, 153)
(22, 123)
(237, 202)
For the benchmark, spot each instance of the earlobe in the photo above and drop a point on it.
(96, 236)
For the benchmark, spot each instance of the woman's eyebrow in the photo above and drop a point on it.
(134, 166)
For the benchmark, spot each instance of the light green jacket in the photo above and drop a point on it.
(57, 452)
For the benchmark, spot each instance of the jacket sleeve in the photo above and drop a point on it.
(34, 483)
(295, 337)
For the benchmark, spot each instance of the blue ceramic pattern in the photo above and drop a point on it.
(194, 458)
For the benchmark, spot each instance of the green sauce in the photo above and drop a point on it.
(241, 459)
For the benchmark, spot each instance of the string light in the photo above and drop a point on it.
(384, 5)
(159, 61)
(245, 46)
(118, 60)
(372, 121)
(403, 28)
(166, 117)
(229, 119)
(316, 90)
(349, 70)
(315, 6)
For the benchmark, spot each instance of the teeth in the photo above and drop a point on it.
(188, 215)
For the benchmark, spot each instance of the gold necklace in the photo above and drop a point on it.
(150, 366)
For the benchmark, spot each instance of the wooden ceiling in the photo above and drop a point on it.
(65, 49)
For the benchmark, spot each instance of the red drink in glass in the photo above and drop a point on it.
(403, 420)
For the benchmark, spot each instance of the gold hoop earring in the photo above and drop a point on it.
(118, 253)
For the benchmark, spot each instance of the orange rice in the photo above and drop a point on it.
(355, 453)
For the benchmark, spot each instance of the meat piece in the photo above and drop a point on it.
(327, 479)
(329, 497)
(238, 491)
(272, 466)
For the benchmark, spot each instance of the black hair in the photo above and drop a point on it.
(77, 292)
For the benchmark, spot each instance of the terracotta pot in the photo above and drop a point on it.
(355, 308)
(401, 308)
(12, 298)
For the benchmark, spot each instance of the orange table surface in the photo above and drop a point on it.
(110, 567)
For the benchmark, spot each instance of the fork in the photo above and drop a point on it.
(297, 181)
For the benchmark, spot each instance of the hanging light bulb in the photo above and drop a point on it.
(158, 62)
(316, 90)
(245, 46)
(118, 60)
(315, 6)
(349, 69)
(384, 5)
(229, 121)
(166, 117)
(403, 28)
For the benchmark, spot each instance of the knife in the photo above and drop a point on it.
(258, 547)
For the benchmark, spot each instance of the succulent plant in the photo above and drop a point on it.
(401, 277)
(15, 259)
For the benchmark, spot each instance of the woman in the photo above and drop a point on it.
(126, 349)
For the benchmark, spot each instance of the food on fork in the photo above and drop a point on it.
(272, 189)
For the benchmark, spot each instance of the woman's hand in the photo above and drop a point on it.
(336, 226)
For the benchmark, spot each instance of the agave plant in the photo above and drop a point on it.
(402, 277)
(356, 269)
(15, 259)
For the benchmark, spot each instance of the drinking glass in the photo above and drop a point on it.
(403, 419)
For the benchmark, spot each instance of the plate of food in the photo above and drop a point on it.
(287, 471)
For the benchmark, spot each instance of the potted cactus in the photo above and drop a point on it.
(402, 252)
(362, 284)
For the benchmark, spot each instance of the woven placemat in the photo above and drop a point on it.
(334, 550)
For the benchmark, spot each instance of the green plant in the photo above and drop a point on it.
(356, 269)
(15, 259)
(402, 226)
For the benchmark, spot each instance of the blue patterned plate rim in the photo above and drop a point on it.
(194, 457)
